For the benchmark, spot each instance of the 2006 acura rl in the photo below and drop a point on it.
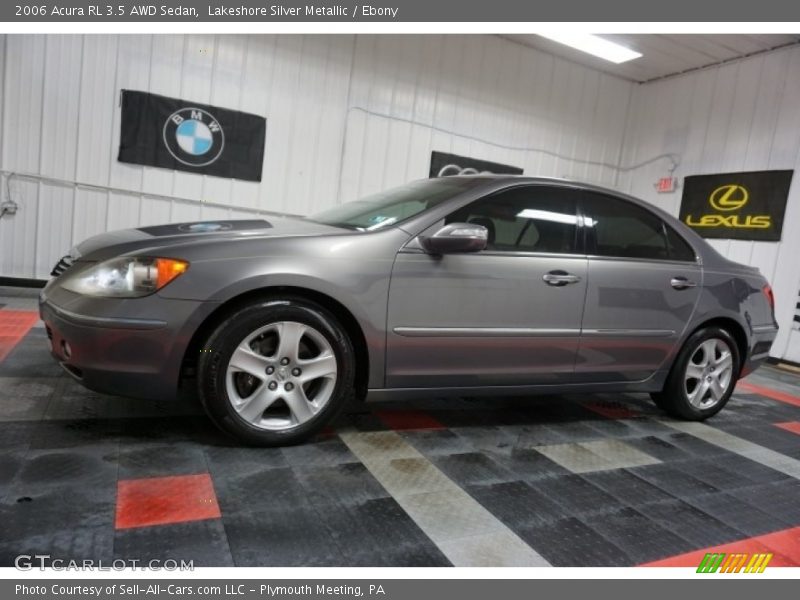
(460, 285)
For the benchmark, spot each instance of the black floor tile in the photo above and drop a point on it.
(658, 446)
(714, 473)
(781, 499)
(282, 536)
(529, 464)
(749, 519)
(204, 543)
(378, 532)
(11, 462)
(160, 460)
(327, 452)
(690, 523)
(345, 483)
(641, 539)
(570, 542)
(70, 544)
(626, 487)
(31, 358)
(232, 462)
(73, 433)
(432, 442)
(694, 446)
(577, 495)
(517, 504)
(750, 469)
(673, 480)
(472, 468)
(16, 436)
(269, 490)
(34, 513)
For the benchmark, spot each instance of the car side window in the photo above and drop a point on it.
(678, 248)
(525, 219)
(623, 229)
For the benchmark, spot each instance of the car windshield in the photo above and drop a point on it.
(395, 205)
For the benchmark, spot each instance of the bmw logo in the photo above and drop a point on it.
(204, 227)
(193, 137)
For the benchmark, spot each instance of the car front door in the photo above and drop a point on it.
(643, 285)
(508, 315)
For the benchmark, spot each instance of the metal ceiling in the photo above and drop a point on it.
(665, 55)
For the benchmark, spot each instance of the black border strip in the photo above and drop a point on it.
(22, 282)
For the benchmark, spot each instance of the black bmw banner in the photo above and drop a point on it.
(178, 134)
(444, 164)
(737, 206)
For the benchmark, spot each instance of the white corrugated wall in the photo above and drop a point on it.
(345, 115)
(348, 115)
(743, 116)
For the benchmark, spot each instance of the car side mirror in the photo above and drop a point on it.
(455, 238)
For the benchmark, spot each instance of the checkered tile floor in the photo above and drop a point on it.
(602, 480)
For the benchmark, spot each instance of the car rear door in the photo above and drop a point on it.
(509, 315)
(643, 285)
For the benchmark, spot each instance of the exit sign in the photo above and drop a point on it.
(666, 185)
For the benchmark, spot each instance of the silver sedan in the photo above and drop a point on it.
(476, 285)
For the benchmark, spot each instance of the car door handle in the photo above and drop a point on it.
(681, 283)
(559, 278)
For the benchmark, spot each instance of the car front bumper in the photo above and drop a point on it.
(126, 347)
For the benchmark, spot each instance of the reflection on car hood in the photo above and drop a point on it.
(115, 243)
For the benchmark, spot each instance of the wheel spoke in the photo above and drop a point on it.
(253, 407)
(694, 371)
(724, 362)
(709, 348)
(298, 404)
(289, 335)
(696, 397)
(323, 365)
(717, 390)
(247, 361)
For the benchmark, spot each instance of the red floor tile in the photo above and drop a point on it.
(793, 426)
(611, 410)
(785, 545)
(768, 393)
(408, 419)
(164, 500)
(14, 325)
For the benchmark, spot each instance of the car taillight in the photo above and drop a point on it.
(767, 289)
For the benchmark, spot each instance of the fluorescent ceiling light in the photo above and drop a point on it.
(594, 45)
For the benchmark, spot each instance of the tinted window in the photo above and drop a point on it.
(623, 229)
(678, 248)
(525, 219)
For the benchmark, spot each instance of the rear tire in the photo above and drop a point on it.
(276, 372)
(703, 376)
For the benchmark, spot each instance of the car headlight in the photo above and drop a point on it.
(128, 277)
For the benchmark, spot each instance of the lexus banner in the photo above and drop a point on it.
(737, 206)
(179, 134)
(444, 164)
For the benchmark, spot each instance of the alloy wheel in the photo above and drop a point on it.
(708, 373)
(281, 375)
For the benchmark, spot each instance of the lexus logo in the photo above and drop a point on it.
(729, 197)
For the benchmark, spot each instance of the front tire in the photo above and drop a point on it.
(276, 372)
(703, 376)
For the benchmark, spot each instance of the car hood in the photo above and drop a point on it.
(115, 243)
